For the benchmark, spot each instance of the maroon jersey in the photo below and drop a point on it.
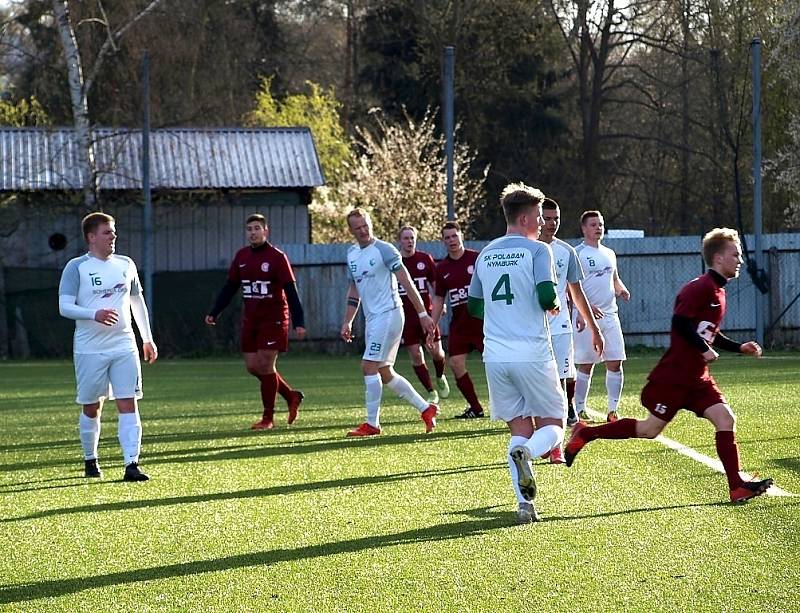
(702, 300)
(452, 280)
(262, 273)
(422, 270)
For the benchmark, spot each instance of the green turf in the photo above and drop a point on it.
(302, 519)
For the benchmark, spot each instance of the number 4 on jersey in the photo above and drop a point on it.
(502, 290)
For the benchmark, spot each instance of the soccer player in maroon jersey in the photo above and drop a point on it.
(681, 379)
(422, 270)
(453, 276)
(269, 294)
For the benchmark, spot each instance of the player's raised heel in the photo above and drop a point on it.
(443, 386)
(429, 417)
(525, 478)
(575, 443)
(433, 397)
(92, 470)
(294, 406)
(750, 489)
(133, 473)
(526, 513)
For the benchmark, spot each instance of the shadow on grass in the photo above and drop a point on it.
(239, 452)
(792, 464)
(276, 490)
(61, 587)
(719, 503)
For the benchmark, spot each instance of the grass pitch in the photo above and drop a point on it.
(302, 519)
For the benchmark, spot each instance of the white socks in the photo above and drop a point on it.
(512, 468)
(372, 397)
(614, 381)
(400, 386)
(89, 428)
(544, 439)
(130, 436)
(582, 383)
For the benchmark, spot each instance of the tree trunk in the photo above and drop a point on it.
(80, 106)
(684, 209)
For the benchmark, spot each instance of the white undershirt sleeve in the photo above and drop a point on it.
(140, 316)
(68, 308)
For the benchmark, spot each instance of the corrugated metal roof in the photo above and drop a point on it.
(44, 159)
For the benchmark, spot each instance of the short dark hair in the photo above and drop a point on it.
(258, 217)
(549, 204)
(589, 214)
(451, 225)
(92, 221)
(517, 198)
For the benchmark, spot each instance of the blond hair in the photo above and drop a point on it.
(716, 240)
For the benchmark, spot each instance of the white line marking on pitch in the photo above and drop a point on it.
(695, 455)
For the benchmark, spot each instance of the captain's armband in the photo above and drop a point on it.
(353, 302)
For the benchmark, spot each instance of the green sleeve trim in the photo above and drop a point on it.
(475, 307)
(546, 293)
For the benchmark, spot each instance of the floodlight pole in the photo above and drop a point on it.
(147, 210)
(759, 256)
(448, 78)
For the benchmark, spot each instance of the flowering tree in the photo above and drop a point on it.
(400, 178)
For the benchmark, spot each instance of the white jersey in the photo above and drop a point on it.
(372, 269)
(102, 284)
(506, 275)
(568, 270)
(599, 265)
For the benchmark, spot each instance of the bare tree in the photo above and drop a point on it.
(80, 84)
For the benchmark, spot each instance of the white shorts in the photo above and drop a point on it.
(107, 375)
(613, 342)
(382, 335)
(525, 389)
(565, 355)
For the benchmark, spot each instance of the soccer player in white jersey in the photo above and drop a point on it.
(374, 268)
(602, 285)
(99, 290)
(512, 289)
(569, 274)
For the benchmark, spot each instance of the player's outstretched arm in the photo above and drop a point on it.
(224, 298)
(752, 348)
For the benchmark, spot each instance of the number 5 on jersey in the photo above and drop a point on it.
(502, 290)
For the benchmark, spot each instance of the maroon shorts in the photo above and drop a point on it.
(413, 334)
(664, 400)
(463, 339)
(258, 335)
